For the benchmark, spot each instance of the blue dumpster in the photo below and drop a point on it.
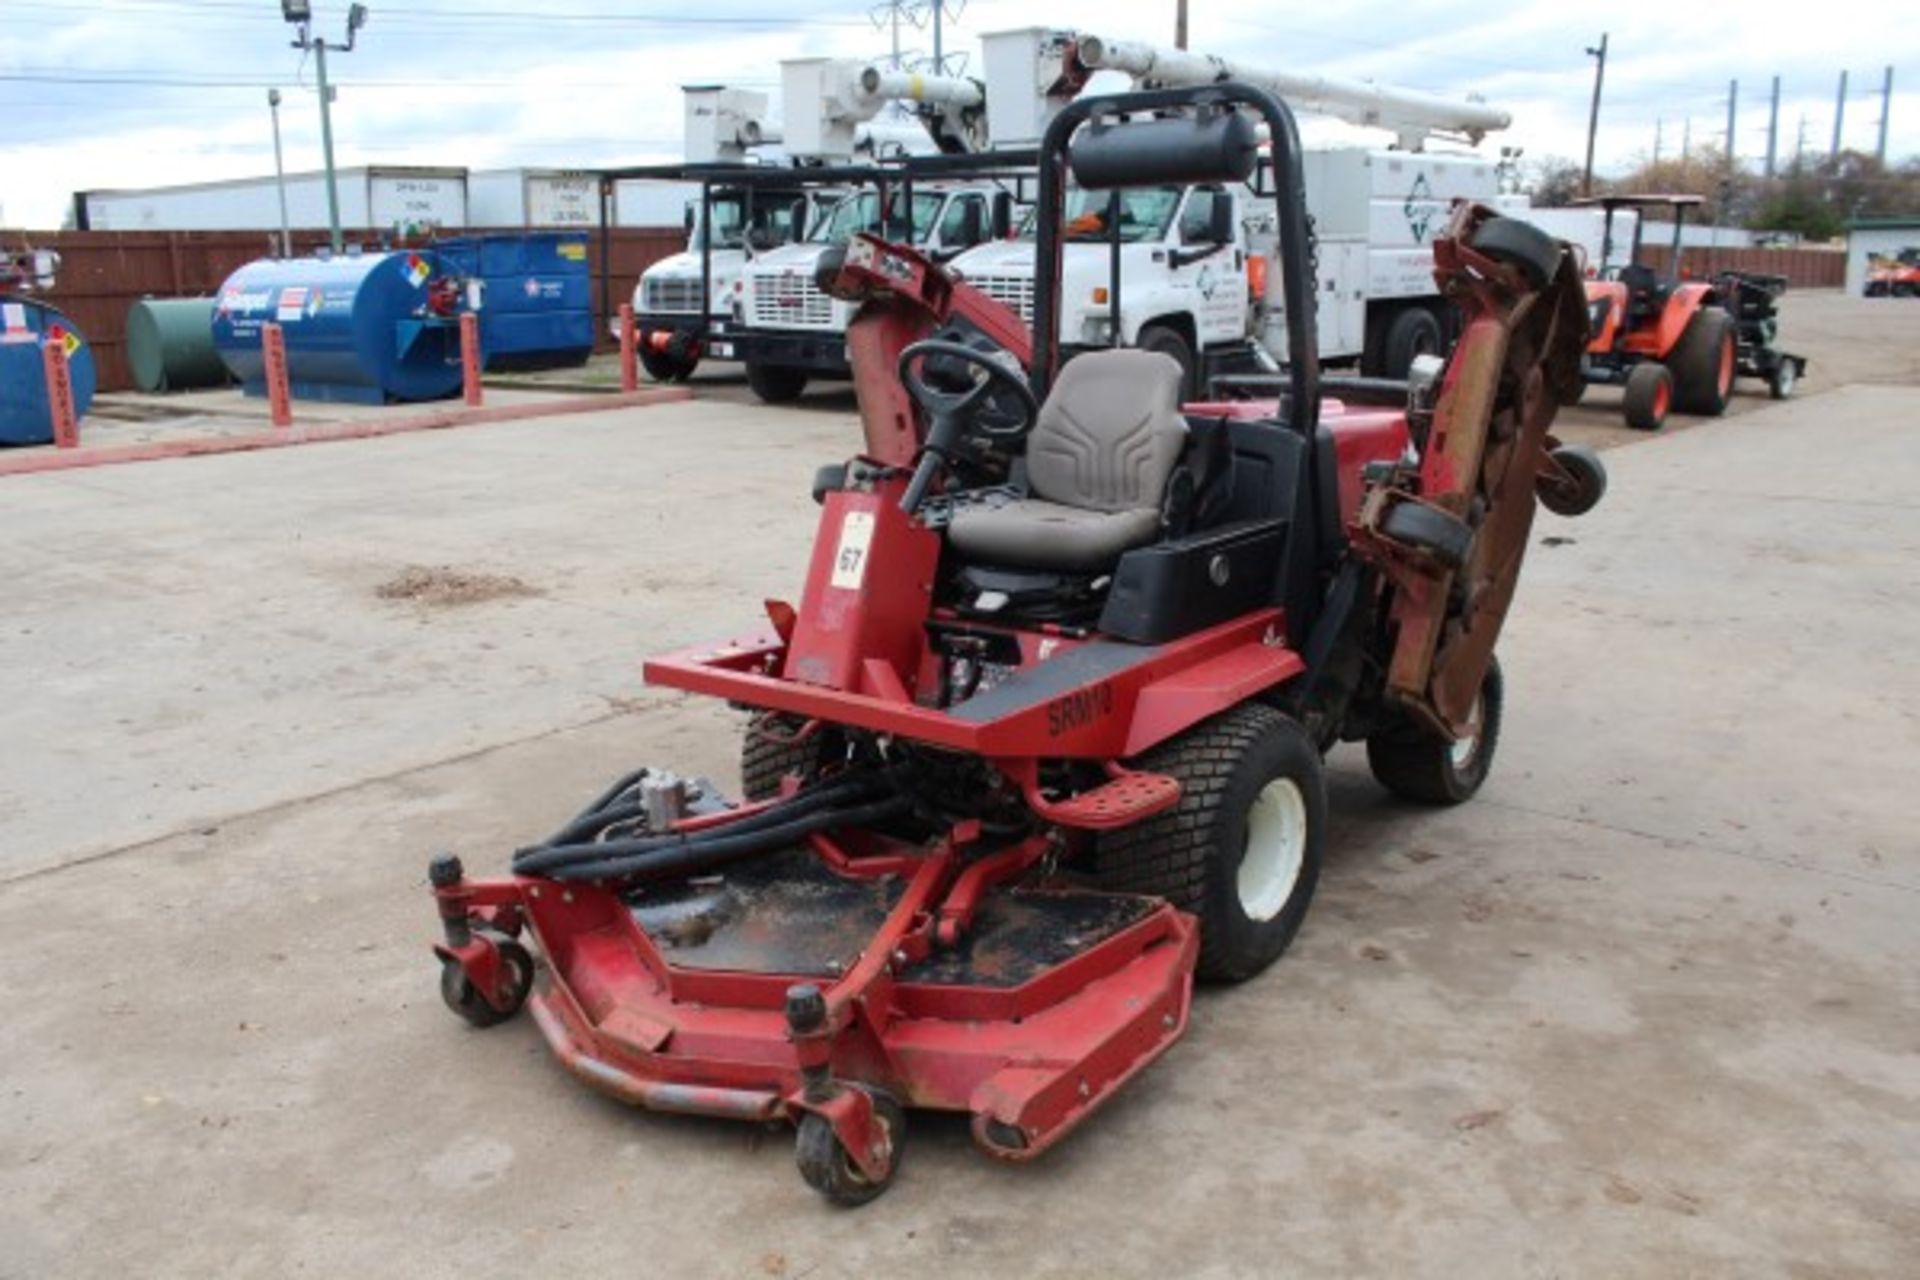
(537, 308)
(26, 327)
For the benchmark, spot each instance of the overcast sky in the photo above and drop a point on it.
(134, 93)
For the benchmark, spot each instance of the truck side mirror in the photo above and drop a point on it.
(690, 218)
(1002, 214)
(1220, 223)
(973, 227)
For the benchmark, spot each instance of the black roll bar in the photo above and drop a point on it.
(1290, 198)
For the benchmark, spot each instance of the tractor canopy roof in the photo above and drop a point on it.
(1678, 201)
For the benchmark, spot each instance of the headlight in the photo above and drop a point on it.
(1096, 330)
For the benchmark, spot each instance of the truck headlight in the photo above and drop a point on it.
(1096, 330)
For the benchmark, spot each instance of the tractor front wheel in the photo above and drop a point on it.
(1242, 849)
(1649, 396)
(1414, 763)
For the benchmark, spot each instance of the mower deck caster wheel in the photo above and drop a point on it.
(1584, 484)
(1785, 375)
(465, 999)
(830, 1170)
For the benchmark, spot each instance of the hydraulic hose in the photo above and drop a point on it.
(552, 859)
(696, 857)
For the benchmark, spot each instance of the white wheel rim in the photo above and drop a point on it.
(1787, 375)
(1465, 748)
(1276, 849)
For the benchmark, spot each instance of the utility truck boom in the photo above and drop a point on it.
(1409, 113)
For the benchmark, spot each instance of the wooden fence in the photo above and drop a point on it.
(103, 273)
(1803, 268)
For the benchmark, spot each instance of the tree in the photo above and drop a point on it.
(1817, 200)
(1555, 182)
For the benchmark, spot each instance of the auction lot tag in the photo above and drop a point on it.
(850, 559)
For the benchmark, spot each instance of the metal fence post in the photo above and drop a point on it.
(273, 350)
(470, 357)
(629, 350)
(66, 426)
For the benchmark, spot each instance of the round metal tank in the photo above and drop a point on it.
(357, 328)
(170, 344)
(26, 326)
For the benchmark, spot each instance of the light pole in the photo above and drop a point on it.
(299, 13)
(280, 175)
(1599, 55)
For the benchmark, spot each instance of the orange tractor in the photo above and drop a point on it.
(1668, 340)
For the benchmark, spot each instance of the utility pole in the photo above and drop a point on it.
(1599, 55)
(1800, 146)
(939, 53)
(1839, 117)
(299, 13)
(1886, 110)
(280, 175)
(1733, 111)
(1659, 129)
(1180, 27)
(1773, 125)
(1686, 140)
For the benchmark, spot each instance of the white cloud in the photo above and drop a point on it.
(553, 92)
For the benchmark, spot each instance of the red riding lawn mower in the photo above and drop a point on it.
(1667, 340)
(1043, 737)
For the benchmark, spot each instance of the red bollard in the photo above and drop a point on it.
(66, 426)
(273, 350)
(629, 350)
(470, 357)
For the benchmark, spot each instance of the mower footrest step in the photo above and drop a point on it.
(1120, 802)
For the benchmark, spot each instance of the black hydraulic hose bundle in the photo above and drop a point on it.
(574, 853)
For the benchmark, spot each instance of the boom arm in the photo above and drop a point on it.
(1407, 112)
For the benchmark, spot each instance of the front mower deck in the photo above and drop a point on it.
(679, 997)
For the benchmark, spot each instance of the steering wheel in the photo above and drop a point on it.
(951, 414)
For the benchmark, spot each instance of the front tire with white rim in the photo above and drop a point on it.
(1415, 764)
(1242, 849)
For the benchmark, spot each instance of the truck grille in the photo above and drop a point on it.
(1013, 292)
(790, 300)
(672, 293)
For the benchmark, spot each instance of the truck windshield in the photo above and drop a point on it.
(772, 221)
(1145, 214)
(862, 213)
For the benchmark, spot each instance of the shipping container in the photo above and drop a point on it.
(533, 198)
(383, 198)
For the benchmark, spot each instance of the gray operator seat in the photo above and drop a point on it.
(1098, 459)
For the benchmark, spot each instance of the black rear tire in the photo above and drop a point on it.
(1649, 397)
(1519, 243)
(1251, 784)
(1158, 337)
(1413, 331)
(1409, 760)
(1704, 363)
(776, 383)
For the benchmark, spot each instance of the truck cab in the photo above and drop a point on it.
(788, 331)
(732, 227)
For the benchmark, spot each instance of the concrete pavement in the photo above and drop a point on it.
(1648, 1006)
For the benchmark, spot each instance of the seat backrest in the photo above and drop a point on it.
(1110, 432)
